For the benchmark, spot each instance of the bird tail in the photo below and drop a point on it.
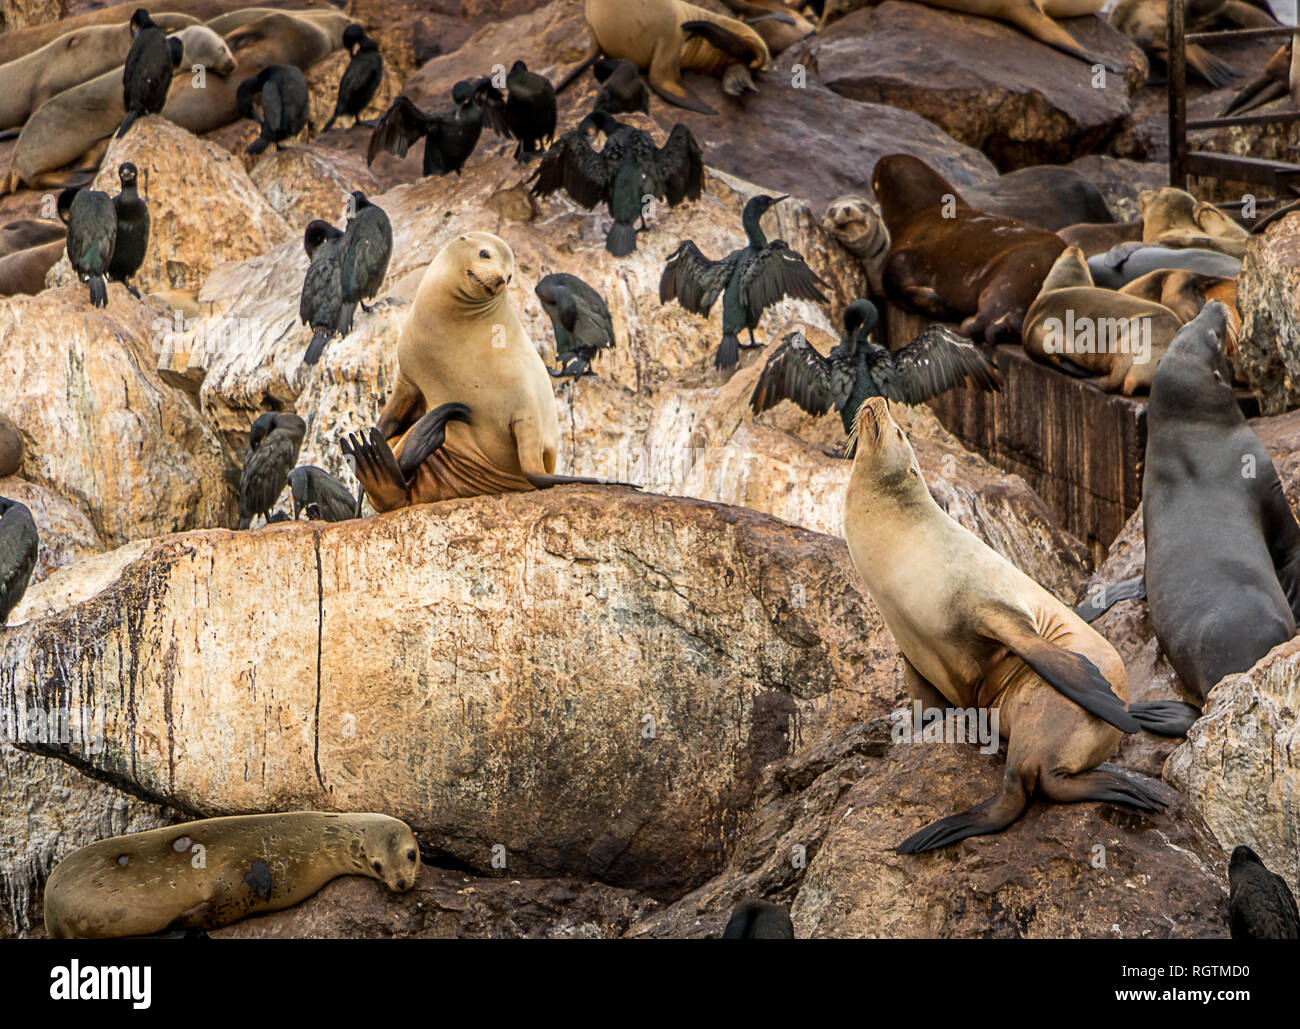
(345, 318)
(621, 240)
(728, 352)
(258, 145)
(98, 292)
(317, 346)
(127, 122)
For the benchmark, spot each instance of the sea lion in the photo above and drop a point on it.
(1046, 195)
(1186, 292)
(1119, 336)
(1281, 76)
(24, 272)
(28, 232)
(975, 631)
(855, 222)
(463, 343)
(1222, 546)
(68, 125)
(650, 34)
(12, 447)
(759, 920)
(1128, 261)
(1172, 217)
(70, 60)
(215, 871)
(1144, 22)
(1094, 238)
(16, 43)
(780, 25)
(949, 261)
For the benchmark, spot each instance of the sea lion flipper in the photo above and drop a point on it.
(993, 815)
(1069, 673)
(1166, 717)
(721, 38)
(1096, 606)
(425, 438)
(665, 77)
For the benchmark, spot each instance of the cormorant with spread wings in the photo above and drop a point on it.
(749, 280)
(450, 136)
(933, 363)
(629, 168)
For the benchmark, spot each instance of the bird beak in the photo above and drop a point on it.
(777, 200)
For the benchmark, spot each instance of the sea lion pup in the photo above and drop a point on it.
(321, 497)
(25, 271)
(1172, 217)
(149, 882)
(363, 257)
(284, 96)
(1128, 261)
(25, 233)
(855, 221)
(462, 339)
(759, 920)
(650, 34)
(12, 447)
(1119, 336)
(976, 631)
(147, 74)
(92, 234)
(19, 546)
(273, 445)
(1222, 546)
(66, 126)
(132, 241)
(1260, 904)
(361, 77)
(950, 261)
(73, 58)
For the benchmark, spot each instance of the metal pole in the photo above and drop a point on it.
(1176, 58)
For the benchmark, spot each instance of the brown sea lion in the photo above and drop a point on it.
(976, 632)
(1098, 238)
(1118, 336)
(950, 261)
(780, 25)
(1144, 22)
(1186, 292)
(650, 34)
(1173, 218)
(28, 232)
(24, 272)
(215, 871)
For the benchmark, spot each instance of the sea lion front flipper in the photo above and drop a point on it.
(1069, 673)
(1108, 596)
(427, 436)
(404, 408)
(1166, 717)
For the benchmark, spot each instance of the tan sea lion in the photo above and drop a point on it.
(1170, 218)
(65, 127)
(1098, 237)
(463, 343)
(950, 261)
(24, 272)
(1280, 77)
(12, 447)
(1119, 336)
(28, 232)
(212, 872)
(1186, 292)
(855, 221)
(73, 58)
(780, 25)
(975, 631)
(1144, 22)
(649, 33)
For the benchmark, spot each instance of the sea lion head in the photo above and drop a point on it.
(1070, 269)
(855, 222)
(905, 186)
(885, 465)
(1214, 222)
(1164, 210)
(480, 266)
(391, 853)
(1195, 375)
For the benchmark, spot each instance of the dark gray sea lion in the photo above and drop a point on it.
(1048, 196)
(1120, 265)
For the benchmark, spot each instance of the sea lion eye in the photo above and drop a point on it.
(376, 866)
(410, 855)
(484, 254)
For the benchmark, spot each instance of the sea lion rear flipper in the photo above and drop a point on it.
(722, 38)
(1216, 72)
(1069, 673)
(1165, 717)
(993, 815)
(1096, 606)
(665, 76)
(427, 436)
(1034, 22)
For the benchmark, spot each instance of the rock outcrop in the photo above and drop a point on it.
(1268, 351)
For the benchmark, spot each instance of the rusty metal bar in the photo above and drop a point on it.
(1238, 35)
(1245, 119)
(1176, 58)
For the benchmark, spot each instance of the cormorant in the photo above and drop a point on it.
(132, 230)
(321, 497)
(363, 258)
(450, 136)
(628, 168)
(360, 79)
(528, 116)
(933, 363)
(580, 319)
(759, 920)
(1260, 906)
(91, 219)
(749, 280)
(273, 445)
(19, 544)
(322, 289)
(285, 99)
(147, 73)
(622, 88)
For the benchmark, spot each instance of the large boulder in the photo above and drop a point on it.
(984, 82)
(1268, 297)
(588, 678)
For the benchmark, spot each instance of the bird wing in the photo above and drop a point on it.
(797, 372)
(272, 104)
(693, 280)
(400, 126)
(572, 165)
(679, 165)
(493, 105)
(774, 272)
(936, 361)
(361, 255)
(18, 551)
(594, 327)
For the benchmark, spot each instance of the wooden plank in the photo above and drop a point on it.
(1255, 170)
(1176, 60)
(1280, 118)
(1239, 35)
